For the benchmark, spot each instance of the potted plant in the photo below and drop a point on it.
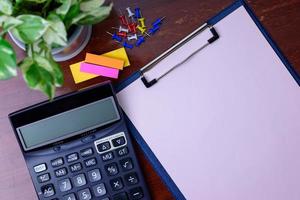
(43, 28)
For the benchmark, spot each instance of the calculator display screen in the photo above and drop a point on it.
(68, 123)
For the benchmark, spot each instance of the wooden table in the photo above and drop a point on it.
(280, 17)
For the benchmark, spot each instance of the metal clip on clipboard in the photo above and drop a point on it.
(150, 65)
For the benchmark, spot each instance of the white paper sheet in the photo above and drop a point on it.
(225, 125)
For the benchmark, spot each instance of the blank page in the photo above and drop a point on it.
(225, 125)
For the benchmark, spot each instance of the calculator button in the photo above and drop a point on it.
(70, 197)
(120, 196)
(112, 169)
(72, 157)
(116, 184)
(94, 175)
(76, 167)
(107, 156)
(91, 162)
(118, 141)
(57, 162)
(131, 179)
(40, 168)
(85, 194)
(99, 190)
(126, 164)
(103, 146)
(136, 193)
(43, 178)
(48, 190)
(86, 152)
(61, 172)
(122, 152)
(65, 185)
(79, 180)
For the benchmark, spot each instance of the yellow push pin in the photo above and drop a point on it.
(142, 30)
(142, 22)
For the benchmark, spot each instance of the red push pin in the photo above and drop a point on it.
(123, 19)
(132, 27)
(122, 34)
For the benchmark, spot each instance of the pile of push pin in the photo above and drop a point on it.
(130, 34)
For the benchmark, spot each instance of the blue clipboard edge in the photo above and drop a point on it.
(137, 136)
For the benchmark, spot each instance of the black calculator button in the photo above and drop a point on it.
(85, 194)
(40, 168)
(126, 164)
(94, 175)
(122, 152)
(48, 190)
(57, 162)
(136, 193)
(131, 179)
(99, 190)
(43, 178)
(90, 162)
(61, 172)
(107, 156)
(120, 196)
(76, 167)
(79, 180)
(70, 197)
(116, 184)
(65, 185)
(72, 157)
(112, 169)
(103, 146)
(86, 152)
(118, 141)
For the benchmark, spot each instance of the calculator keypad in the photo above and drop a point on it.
(84, 175)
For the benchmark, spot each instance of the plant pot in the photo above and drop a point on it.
(76, 43)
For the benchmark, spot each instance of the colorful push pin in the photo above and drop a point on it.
(140, 41)
(122, 34)
(115, 37)
(132, 37)
(142, 22)
(128, 46)
(130, 13)
(137, 13)
(132, 27)
(121, 29)
(123, 19)
(158, 21)
(153, 30)
(142, 30)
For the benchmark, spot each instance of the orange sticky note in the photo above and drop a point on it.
(104, 61)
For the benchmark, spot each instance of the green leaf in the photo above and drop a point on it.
(6, 7)
(37, 75)
(32, 28)
(64, 8)
(89, 5)
(56, 34)
(92, 17)
(9, 22)
(8, 61)
(73, 12)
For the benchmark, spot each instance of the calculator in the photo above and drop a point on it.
(77, 147)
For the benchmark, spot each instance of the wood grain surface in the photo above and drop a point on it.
(281, 18)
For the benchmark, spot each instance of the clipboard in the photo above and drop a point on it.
(246, 98)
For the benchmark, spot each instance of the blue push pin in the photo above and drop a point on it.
(140, 41)
(128, 46)
(115, 37)
(137, 13)
(158, 21)
(153, 30)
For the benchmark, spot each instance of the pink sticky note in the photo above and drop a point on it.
(99, 70)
